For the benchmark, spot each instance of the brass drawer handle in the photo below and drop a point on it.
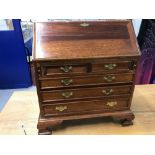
(107, 91)
(109, 78)
(67, 94)
(84, 24)
(112, 104)
(66, 69)
(61, 108)
(110, 66)
(66, 82)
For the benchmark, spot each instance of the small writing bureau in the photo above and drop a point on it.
(84, 69)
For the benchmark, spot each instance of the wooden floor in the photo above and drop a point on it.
(21, 113)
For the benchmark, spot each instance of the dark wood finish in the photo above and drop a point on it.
(84, 69)
(46, 125)
(48, 48)
(85, 93)
(79, 30)
(83, 107)
(48, 69)
(111, 66)
(125, 120)
(86, 80)
(44, 128)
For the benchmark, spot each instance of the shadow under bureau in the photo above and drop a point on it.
(84, 69)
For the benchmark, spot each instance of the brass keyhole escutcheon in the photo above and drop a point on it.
(110, 66)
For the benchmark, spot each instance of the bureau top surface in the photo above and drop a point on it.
(84, 39)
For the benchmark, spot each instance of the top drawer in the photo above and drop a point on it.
(112, 66)
(49, 69)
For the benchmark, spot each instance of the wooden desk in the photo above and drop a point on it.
(22, 108)
(84, 69)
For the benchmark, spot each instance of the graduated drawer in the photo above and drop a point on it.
(86, 80)
(102, 105)
(84, 93)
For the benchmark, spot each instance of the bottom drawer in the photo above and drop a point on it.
(100, 105)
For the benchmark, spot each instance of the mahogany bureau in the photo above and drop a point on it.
(84, 69)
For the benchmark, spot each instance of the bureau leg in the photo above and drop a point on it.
(44, 131)
(126, 122)
(125, 119)
(46, 126)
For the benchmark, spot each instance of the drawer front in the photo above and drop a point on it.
(87, 106)
(112, 66)
(48, 69)
(84, 93)
(85, 80)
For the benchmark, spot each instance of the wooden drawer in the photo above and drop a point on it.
(49, 70)
(85, 80)
(112, 66)
(83, 93)
(110, 104)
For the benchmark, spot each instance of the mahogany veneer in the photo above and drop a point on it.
(84, 69)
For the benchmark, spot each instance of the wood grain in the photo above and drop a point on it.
(76, 41)
(88, 93)
(63, 40)
(86, 80)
